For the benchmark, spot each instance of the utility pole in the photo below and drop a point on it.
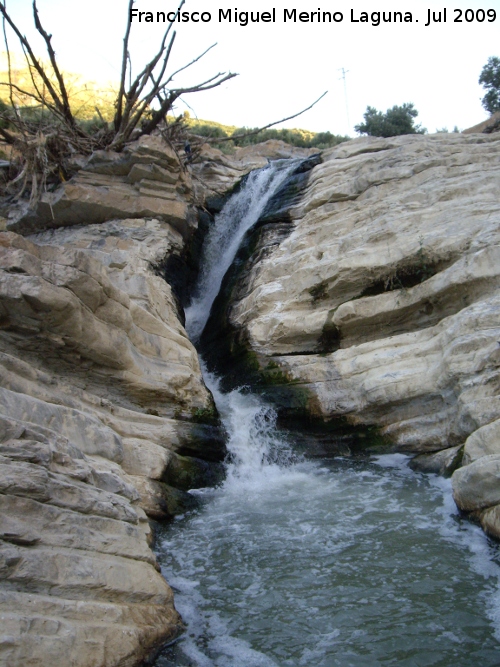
(344, 72)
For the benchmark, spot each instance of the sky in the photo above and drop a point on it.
(284, 66)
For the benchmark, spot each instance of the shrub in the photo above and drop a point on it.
(395, 121)
(490, 79)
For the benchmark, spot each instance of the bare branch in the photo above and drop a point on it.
(165, 62)
(47, 38)
(135, 89)
(204, 86)
(266, 127)
(34, 62)
(37, 99)
(189, 64)
(33, 79)
(133, 97)
(121, 91)
(144, 75)
(10, 69)
(174, 94)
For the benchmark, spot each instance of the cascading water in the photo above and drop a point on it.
(323, 564)
(221, 245)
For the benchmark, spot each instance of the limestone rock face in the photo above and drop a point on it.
(99, 386)
(143, 181)
(441, 463)
(477, 485)
(383, 304)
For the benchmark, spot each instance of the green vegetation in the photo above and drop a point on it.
(272, 374)
(490, 80)
(395, 121)
(231, 139)
(204, 415)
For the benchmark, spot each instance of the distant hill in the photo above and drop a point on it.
(295, 137)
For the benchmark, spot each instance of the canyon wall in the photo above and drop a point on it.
(105, 420)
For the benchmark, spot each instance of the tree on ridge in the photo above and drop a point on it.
(395, 121)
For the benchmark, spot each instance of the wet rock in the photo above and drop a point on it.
(217, 173)
(187, 472)
(444, 462)
(477, 485)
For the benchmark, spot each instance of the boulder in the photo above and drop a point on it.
(490, 521)
(483, 442)
(477, 485)
(444, 462)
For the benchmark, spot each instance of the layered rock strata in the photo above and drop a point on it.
(105, 421)
(104, 418)
(382, 306)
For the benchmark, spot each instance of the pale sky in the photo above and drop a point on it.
(283, 67)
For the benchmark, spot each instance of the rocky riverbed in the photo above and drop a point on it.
(370, 301)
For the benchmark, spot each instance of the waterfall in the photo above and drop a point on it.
(239, 215)
(253, 442)
(294, 563)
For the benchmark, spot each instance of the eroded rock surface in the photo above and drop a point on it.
(383, 304)
(104, 417)
(142, 181)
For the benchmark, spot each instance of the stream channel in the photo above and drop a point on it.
(336, 562)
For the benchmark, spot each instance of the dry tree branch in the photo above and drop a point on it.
(32, 61)
(132, 96)
(173, 95)
(165, 60)
(204, 86)
(139, 111)
(41, 97)
(66, 109)
(144, 75)
(39, 100)
(121, 91)
(160, 114)
(195, 60)
(9, 65)
(242, 135)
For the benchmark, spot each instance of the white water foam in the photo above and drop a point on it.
(347, 563)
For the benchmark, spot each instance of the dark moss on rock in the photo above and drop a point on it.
(187, 472)
(203, 441)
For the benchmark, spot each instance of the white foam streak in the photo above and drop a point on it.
(257, 450)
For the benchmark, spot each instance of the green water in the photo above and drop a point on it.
(344, 563)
